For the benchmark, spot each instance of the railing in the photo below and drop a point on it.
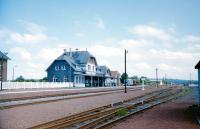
(31, 85)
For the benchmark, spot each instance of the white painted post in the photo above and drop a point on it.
(142, 83)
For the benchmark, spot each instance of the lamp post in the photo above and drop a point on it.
(13, 74)
(125, 91)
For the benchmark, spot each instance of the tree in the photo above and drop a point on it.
(123, 76)
(136, 79)
(20, 79)
(44, 79)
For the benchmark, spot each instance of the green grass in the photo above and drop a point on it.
(122, 112)
(185, 91)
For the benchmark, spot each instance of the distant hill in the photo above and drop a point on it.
(179, 81)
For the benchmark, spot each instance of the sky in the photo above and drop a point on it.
(157, 34)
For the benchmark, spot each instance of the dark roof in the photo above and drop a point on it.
(197, 65)
(2, 55)
(115, 74)
(76, 58)
(80, 57)
(104, 68)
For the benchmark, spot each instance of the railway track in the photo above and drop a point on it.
(11, 103)
(103, 116)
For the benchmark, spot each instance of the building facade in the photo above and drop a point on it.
(3, 66)
(79, 67)
(115, 76)
(198, 67)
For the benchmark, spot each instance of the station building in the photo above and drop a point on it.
(81, 68)
(3, 66)
(198, 67)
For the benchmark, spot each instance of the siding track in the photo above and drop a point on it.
(106, 115)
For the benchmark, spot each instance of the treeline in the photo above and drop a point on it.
(136, 79)
(22, 79)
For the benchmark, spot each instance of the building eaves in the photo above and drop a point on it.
(197, 65)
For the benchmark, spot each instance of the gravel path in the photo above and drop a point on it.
(171, 115)
(23, 93)
(30, 115)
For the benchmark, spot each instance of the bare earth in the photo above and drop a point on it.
(31, 115)
(171, 115)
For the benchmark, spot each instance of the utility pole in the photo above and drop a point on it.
(190, 79)
(13, 76)
(125, 91)
(166, 79)
(156, 77)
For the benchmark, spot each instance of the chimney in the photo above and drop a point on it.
(70, 52)
(65, 50)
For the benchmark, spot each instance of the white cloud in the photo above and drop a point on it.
(149, 31)
(166, 67)
(27, 38)
(100, 24)
(49, 54)
(136, 44)
(32, 27)
(80, 34)
(142, 66)
(20, 52)
(106, 51)
(191, 39)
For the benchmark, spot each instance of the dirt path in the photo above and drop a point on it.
(171, 115)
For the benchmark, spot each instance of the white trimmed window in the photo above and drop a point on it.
(55, 79)
(65, 79)
(89, 67)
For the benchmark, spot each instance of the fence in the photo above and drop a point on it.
(31, 85)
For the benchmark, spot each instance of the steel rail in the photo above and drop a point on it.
(88, 116)
(59, 99)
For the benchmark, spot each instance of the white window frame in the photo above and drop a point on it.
(65, 79)
(55, 79)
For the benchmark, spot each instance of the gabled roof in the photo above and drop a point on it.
(69, 60)
(197, 65)
(80, 57)
(103, 69)
(115, 74)
(75, 59)
(2, 55)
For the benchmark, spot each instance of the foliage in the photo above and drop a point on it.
(122, 112)
(123, 76)
(135, 79)
(20, 79)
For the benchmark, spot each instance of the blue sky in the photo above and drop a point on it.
(157, 33)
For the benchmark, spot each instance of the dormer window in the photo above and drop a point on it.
(63, 67)
(56, 68)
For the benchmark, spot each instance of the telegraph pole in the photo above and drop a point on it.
(125, 70)
(156, 77)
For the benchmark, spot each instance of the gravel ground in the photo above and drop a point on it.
(171, 115)
(30, 115)
(23, 93)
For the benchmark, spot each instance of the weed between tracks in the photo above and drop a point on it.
(122, 112)
(185, 91)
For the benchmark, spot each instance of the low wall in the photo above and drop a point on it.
(26, 85)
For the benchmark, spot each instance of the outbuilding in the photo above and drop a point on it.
(198, 67)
